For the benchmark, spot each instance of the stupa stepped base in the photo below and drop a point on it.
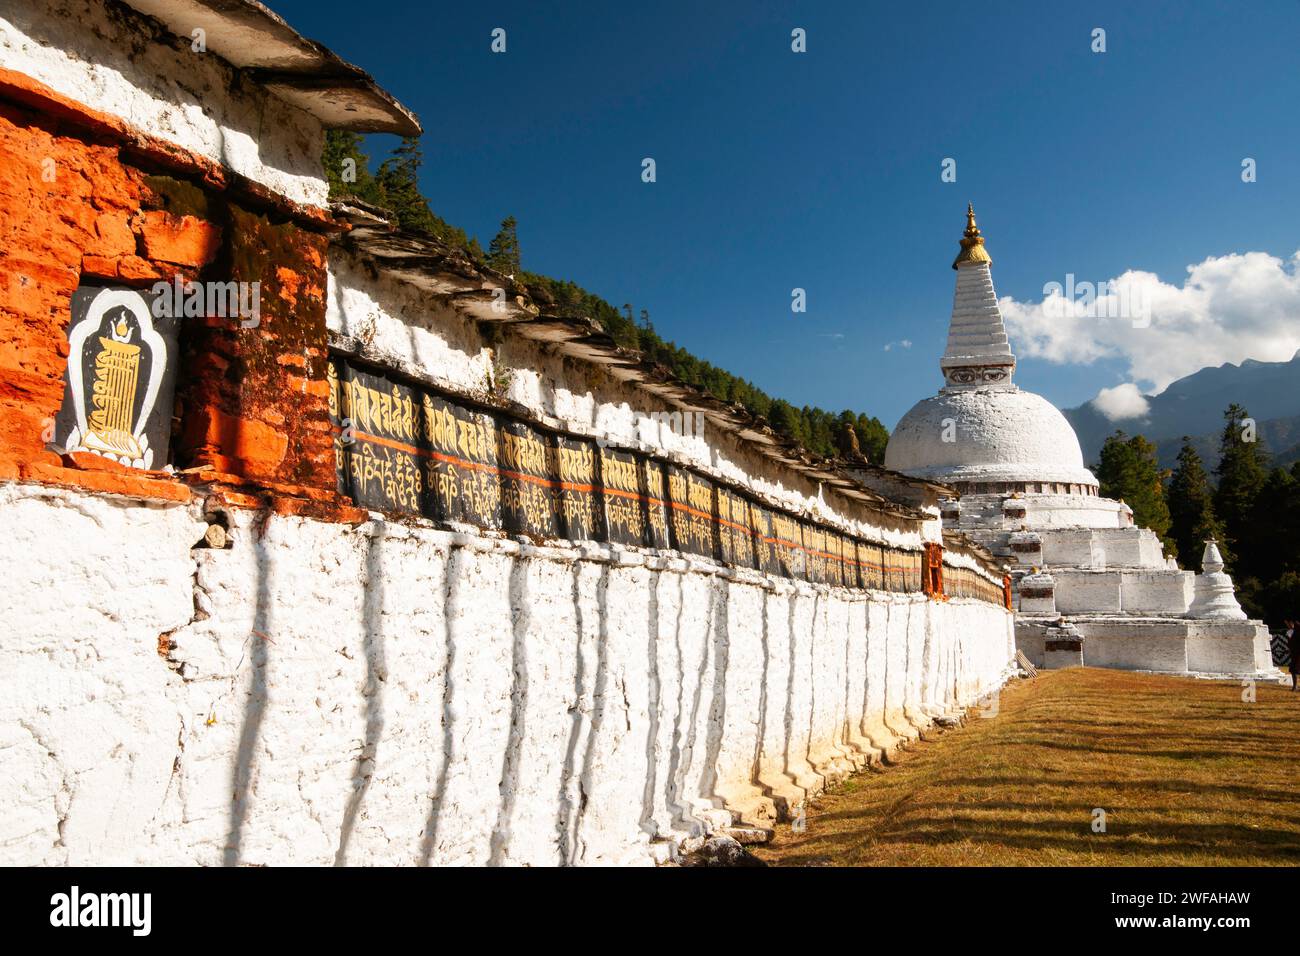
(1035, 511)
(1155, 592)
(1098, 548)
(1168, 645)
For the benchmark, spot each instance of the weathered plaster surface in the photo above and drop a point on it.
(987, 434)
(393, 693)
(110, 58)
(1042, 512)
(89, 722)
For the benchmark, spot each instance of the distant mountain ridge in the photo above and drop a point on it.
(1193, 405)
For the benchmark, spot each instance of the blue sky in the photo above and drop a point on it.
(821, 170)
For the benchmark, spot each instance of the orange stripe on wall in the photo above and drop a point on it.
(591, 489)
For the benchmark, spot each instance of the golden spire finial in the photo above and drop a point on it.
(972, 243)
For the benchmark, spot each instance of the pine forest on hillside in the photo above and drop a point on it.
(394, 186)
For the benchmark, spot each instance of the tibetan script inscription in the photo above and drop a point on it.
(581, 514)
(407, 449)
(625, 503)
(526, 458)
(693, 516)
(734, 535)
(657, 506)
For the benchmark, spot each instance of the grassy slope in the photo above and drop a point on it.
(1187, 772)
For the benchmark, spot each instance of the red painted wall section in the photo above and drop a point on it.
(257, 398)
(251, 403)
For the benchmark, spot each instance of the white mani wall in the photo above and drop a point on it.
(397, 694)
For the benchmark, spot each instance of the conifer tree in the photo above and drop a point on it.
(1271, 529)
(347, 167)
(1128, 470)
(786, 420)
(503, 250)
(1116, 467)
(1241, 473)
(872, 437)
(1191, 509)
(399, 177)
(820, 430)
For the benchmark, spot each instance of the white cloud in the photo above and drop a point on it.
(1230, 308)
(901, 343)
(1121, 402)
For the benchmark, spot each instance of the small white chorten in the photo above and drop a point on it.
(1213, 598)
(1063, 645)
(1037, 593)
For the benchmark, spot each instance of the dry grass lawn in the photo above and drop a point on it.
(1186, 771)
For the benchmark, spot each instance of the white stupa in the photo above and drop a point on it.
(981, 433)
(1213, 597)
(1079, 565)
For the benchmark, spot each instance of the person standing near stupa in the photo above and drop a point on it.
(1293, 646)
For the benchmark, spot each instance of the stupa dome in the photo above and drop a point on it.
(996, 434)
(981, 433)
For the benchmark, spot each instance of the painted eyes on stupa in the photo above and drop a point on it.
(969, 376)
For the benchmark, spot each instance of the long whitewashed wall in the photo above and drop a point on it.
(397, 694)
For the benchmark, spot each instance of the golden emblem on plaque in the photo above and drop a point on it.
(113, 394)
(117, 361)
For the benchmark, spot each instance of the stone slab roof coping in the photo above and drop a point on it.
(304, 73)
(440, 270)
